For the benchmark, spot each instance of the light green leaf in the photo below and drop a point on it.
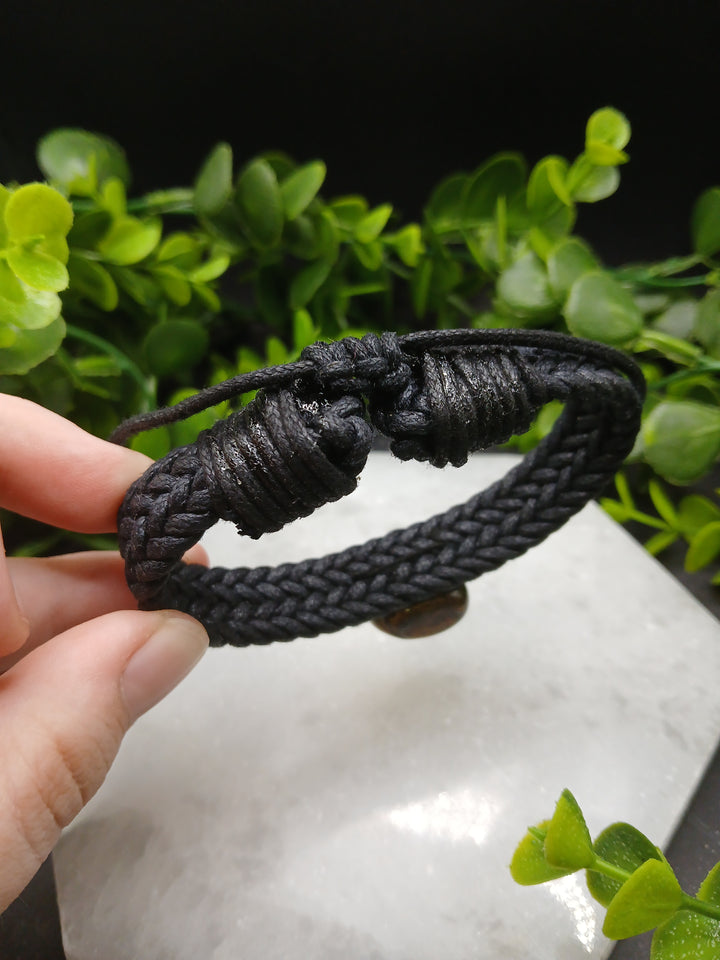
(370, 255)
(444, 209)
(618, 511)
(707, 323)
(589, 183)
(679, 319)
(660, 541)
(567, 842)
(174, 283)
(141, 288)
(624, 846)
(529, 865)
(180, 246)
(174, 346)
(31, 347)
(568, 260)
(37, 210)
(662, 503)
(307, 282)
(97, 365)
(33, 311)
(113, 197)
(600, 309)
(525, 289)
(72, 156)
(130, 240)
(705, 223)
(373, 224)
(213, 186)
(709, 891)
(304, 330)
(686, 936)
(260, 203)
(604, 155)
(502, 175)
(695, 511)
(409, 244)
(704, 547)
(348, 211)
(681, 439)
(92, 281)
(211, 269)
(649, 897)
(153, 443)
(608, 126)
(546, 185)
(38, 270)
(301, 187)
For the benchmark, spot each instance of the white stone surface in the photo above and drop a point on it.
(356, 796)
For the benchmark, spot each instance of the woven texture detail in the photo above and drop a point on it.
(305, 438)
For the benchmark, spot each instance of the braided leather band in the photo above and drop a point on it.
(304, 439)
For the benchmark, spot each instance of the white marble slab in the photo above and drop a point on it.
(359, 797)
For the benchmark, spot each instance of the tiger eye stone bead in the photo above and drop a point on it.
(426, 618)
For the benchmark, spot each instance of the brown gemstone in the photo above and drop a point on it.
(428, 617)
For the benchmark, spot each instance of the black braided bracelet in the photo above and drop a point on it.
(305, 438)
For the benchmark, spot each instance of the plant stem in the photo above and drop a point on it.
(123, 361)
(700, 906)
(610, 870)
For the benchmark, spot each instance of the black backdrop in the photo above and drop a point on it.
(393, 94)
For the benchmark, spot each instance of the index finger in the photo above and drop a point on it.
(52, 470)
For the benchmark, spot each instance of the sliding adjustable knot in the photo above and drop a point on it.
(281, 457)
(304, 439)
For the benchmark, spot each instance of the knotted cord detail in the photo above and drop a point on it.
(304, 440)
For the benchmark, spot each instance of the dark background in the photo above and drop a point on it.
(392, 94)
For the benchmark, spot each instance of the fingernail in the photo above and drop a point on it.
(161, 663)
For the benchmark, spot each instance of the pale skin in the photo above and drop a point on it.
(78, 662)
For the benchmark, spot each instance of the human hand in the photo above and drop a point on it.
(78, 662)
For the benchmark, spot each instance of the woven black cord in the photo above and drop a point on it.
(303, 441)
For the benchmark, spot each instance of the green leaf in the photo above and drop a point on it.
(260, 203)
(444, 209)
(525, 289)
(213, 185)
(34, 310)
(618, 511)
(153, 443)
(211, 269)
(174, 283)
(589, 183)
(31, 347)
(546, 185)
(141, 288)
(89, 229)
(709, 891)
(681, 439)
(679, 319)
(370, 255)
(704, 547)
(603, 155)
(130, 240)
(373, 224)
(348, 211)
(180, 247)
(174, 345)
(307, 282)
(567, 841)
(301, 187)
(37, 210)
(649, 897)
(608, 126)
(660, 541)
(623, 846)
(694, 512)
(529, 866)
(568, 260)
(707, 323)
(600, 309)
(662, 503)
(73, 156)
(502, 175)
(92, 281)
(97, 365)
(686, 936)
(409, 244)
(420, 287)
(705, 223)
(38, 270)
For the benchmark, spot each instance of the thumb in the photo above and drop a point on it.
(64, 710)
